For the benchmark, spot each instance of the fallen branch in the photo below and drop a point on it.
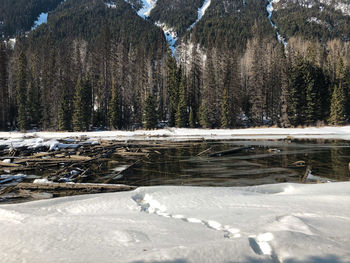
(228, 152)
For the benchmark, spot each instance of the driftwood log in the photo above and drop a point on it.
(228, 152)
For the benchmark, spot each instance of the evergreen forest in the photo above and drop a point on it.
(95, 67)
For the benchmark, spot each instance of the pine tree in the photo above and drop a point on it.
(22, 92)
(173, 88)
(150, 112)
(225, 111)
(181, 113)
(114, 111)
(296, 102)
(203, 115)
(82, 105)
(312, 93)
(3, 87)
(338, 106)
(65, 112)
(192, 120)
(34, 104)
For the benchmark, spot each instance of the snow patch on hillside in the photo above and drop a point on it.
(147, 6)
(201, 12)
(269, 10)
(170, 35)
(319, 22)
(111, 4)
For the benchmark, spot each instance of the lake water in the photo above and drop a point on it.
(190, 164)
(263, 162)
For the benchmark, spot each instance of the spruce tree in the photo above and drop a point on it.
(34, 104)
(225, 111)
(114, 111)
(150, 112)
(82, 105)
(65, 112)
(22, 92)
(296, 102)
(203, 115)
(181, 113)
(192, 119)
(173, 88)
(4, 105)
(338, 106)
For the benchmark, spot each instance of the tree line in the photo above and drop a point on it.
(114, 88)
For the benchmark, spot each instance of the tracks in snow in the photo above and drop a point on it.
(260, 243)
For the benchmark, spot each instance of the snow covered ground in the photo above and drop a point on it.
(270, 223)
(50, 139)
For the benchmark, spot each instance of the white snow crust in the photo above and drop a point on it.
(74, 139)
(270, 223)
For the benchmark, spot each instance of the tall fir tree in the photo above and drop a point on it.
(3, 87)
(226, 111)
(22, 114)
(34, 108)
(181, 113)
(296, 102)
(82, 105)
(65, 112)
(173, 88)
(150, 116)
(338, 106)
(192, 119)
(114, 111)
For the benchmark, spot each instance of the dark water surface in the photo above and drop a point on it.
(264, 162)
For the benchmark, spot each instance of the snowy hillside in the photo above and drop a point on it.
(271, 223)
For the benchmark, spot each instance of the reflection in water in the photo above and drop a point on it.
(264, 162)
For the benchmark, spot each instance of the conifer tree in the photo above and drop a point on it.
(65, 112)
(203, 115)
(192, 120)
(181, 113)
(114, 111)
(338, 104)
(22, 92)
(3, 87)
(296, 102)
(173, 88)
(34, 104)
(150, 112)
(82, 105)
(225, 111)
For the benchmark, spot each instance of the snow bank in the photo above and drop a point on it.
(74, 139)
(270, 223)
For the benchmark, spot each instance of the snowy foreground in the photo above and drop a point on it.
(50, 139)
(271, 223)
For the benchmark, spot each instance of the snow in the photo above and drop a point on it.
(201, 12)
(270, 223)
(42, 19)
(170, 35)
(319, 22)
(269, 10)
(147, 6)
(75, 139)
(111, 4)
(42, 181)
